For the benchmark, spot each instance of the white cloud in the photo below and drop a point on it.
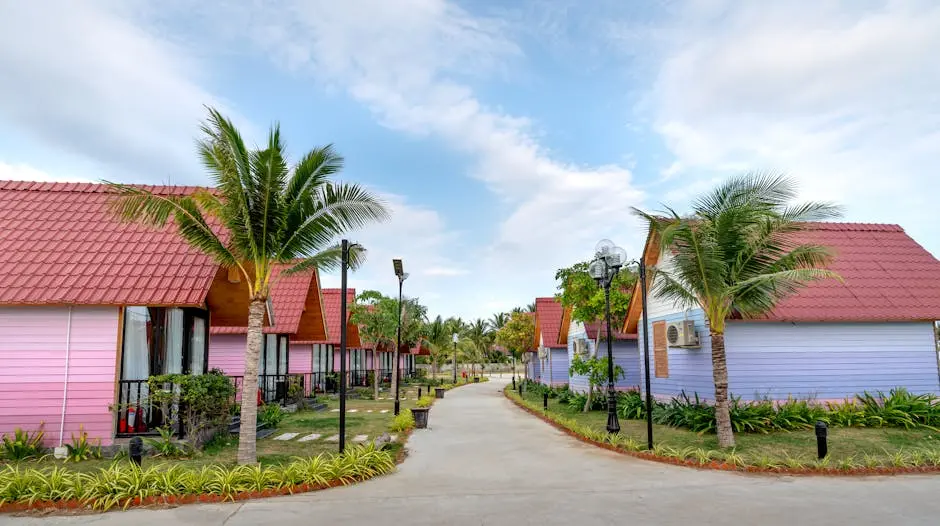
(84, 78)
(25, 172)
(411, 63)
(845, 98)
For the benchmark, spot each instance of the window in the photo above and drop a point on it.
(159, 340)
(322, 358)
(273, 358)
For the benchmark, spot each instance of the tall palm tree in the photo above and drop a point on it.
(261, 213)
(478, 334)
(735, 256)
(497, 321)
(530, 307)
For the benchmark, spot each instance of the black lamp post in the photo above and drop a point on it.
(454, 337)
(646, 356)
(402, 276)
(608, 260)
(342, 348)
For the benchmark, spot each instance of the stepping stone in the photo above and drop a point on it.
(286, 436)
(384, 411)
(368, 410)
(360, 438)
(393, 438)
(353, 410)
(380, 398)
(334, 410)
(311, 436)
(334, 438)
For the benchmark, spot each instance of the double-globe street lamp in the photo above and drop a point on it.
(455, 357)
(608, 260)
(402, 276)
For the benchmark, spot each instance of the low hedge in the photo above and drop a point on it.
(123, 484)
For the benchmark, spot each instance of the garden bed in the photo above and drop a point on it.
(855, 451)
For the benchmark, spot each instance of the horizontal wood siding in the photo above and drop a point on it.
(227, 352)
(661, 308)
(628, 358)
(829, 360)
(32, 374)
(558, 366)
(534, 368)
(577, 382)
(300, 359)
(690, 370)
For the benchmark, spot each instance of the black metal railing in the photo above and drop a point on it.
(136, 414)
(359, 378)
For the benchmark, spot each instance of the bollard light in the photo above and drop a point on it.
(135, 450)
(545, 401)
(822, 431)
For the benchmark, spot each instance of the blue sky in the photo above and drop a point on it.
(507, 137)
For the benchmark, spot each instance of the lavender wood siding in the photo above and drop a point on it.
(627, 357)
(34, 372)
(558, 367)
(690, 370)
(829, 360)
(534, 368)
(576, 331)
(300, 358)
(227, 352)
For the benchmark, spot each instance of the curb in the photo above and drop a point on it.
(722, 466)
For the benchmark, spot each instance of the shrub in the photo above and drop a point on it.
(403, 422)
(632, 405)
(166, 445)
(900, 408)
(81, 449)
(797, 414)
(425, 401)
(204, 400)
(683, 411)
(122, 482)
(22, 445)
(363, 393)
(271, 415)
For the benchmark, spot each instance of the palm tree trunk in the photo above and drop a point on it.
(587, 404)
(248, 430)
(720, 374)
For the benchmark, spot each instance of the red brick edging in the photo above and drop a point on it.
(722, 466)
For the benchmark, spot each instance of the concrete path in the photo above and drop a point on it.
(486, 462)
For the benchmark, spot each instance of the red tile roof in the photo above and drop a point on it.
(331, 307)
(287, 296)
(887, 277)
(60, 245)
(592, 328)
(548, 314)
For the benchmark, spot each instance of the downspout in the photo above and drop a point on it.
(65, 383)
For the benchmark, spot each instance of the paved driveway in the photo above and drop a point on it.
(486, 462)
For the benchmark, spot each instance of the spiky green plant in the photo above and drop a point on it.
(262, 212)
(22, 445)
(734, 257)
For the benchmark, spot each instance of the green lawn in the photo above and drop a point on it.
(271, 451)
(844, 443)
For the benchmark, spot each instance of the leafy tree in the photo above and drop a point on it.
(479, 338)
(377, 316)
(734, 256)
(261, 213)
(596, 371)
(580, 293)
(518, 335)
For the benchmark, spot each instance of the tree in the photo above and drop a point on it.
(497, 321)
(261, 213)
(377, 316)
(585, 298)
(518, 335)
(596, 371)
(439, 343)
(735, 256)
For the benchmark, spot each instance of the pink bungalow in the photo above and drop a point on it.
(295, 300)
(91, 307)
(317, 358)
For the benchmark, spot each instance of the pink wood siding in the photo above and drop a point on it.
(301, 359)
(33, 342)
(227, 352)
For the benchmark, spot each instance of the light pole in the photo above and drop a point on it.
(646, 355)
(342, 348)
(608, 259)
(455, 357)
(402, 276)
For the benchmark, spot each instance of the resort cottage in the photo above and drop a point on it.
(590, 339)
(91, 307)
(552, 358)
(832, 340)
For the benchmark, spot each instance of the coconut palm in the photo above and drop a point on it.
(497, 321)
(735, 257)
(261, 213)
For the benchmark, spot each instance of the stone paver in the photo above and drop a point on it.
(336, 410)
(308, 438)
(290, 436)
(356, 410)
(386, 410)
(335, 438)
(484, 461)
(359, 439)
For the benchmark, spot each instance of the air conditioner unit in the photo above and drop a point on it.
(682, 334)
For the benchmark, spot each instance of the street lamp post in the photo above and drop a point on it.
(342, 348)
(646, 355)
(608, 259)
(455, 357)
(402, 276)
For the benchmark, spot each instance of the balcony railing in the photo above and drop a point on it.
(136, 415)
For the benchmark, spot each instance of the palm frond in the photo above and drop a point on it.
(331, 258)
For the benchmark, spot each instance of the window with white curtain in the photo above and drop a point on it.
(159, 340)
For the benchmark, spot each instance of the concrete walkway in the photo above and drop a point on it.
(486, 462)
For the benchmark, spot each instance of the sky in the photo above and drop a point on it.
(507, 138)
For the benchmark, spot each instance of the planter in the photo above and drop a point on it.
(439, 392)
(476, 379)
(420, 415)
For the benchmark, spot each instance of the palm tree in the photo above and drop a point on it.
(497, 321)
(735, 257)
(530, 307)
(478, 335)
(261, 213)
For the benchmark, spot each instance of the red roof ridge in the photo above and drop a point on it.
(91, 188)
(852, 227)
